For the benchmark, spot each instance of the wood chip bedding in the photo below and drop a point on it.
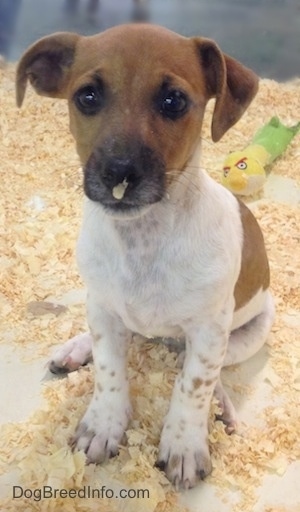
(40, 216)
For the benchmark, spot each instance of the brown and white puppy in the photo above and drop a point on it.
(164, 249)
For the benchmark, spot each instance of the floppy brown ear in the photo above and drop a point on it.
(46, 64)
(232, 84)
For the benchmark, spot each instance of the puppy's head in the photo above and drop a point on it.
(137, 96)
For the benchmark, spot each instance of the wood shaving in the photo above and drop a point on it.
(43, 307)
(40, 215)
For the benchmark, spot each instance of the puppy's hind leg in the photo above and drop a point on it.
(243, 343)
(71, 355)
(248, 339)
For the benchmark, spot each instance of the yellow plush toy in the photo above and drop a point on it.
(244, 171)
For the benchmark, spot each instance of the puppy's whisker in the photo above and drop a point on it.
(187, 177)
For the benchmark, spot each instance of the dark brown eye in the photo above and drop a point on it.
(89, 100)
(174, 104)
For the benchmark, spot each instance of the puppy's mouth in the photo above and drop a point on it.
(127, 182)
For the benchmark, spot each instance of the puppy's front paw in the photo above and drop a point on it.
(184, 453)
(100, 431)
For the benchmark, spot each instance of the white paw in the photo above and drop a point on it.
(71, 355)
(101, 429)
(184, 453)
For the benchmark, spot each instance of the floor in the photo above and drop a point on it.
(265, 39)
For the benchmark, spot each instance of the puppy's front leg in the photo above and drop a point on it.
(184, 452)
(102, 427)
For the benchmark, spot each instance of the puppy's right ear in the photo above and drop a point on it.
(47, 64)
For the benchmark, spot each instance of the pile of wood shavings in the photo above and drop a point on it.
(40, 217)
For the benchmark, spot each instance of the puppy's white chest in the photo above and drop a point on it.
(157, 271)
(130, 274)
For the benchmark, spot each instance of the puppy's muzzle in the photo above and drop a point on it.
(124, 181)
(121, 170)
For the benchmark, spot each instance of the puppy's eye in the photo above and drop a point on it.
(89, 100)
(174, 104)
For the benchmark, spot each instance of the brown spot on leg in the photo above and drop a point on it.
(197, 382)
(213, 366)
(174, 461)
(202, 359)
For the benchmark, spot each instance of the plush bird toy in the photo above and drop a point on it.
(244, 171)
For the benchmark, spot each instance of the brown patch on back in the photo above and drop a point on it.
(255, 272)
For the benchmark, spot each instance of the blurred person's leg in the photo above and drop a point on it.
(8, 16)
(71, 6)
(92, 9)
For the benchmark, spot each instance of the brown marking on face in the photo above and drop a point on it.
(112, 374)
(112, 389)
(255, 272)
(130, 86)
(102, 367)
(208, 382)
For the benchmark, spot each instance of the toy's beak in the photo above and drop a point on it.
(234, 180)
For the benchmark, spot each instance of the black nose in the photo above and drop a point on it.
(116, 170)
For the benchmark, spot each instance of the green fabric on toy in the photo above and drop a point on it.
(244, 171)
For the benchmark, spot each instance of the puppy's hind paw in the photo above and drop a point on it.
(228, 414)
(71, 355)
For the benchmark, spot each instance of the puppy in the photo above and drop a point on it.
(164, 250)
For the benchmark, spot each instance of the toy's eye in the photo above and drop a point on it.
(242, 166)
(89, 100)
(173, 104)
(226, 171)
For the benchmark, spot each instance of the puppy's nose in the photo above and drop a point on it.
(117, 170)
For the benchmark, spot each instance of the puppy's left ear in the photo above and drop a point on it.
(47, 64)
(232, 84)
